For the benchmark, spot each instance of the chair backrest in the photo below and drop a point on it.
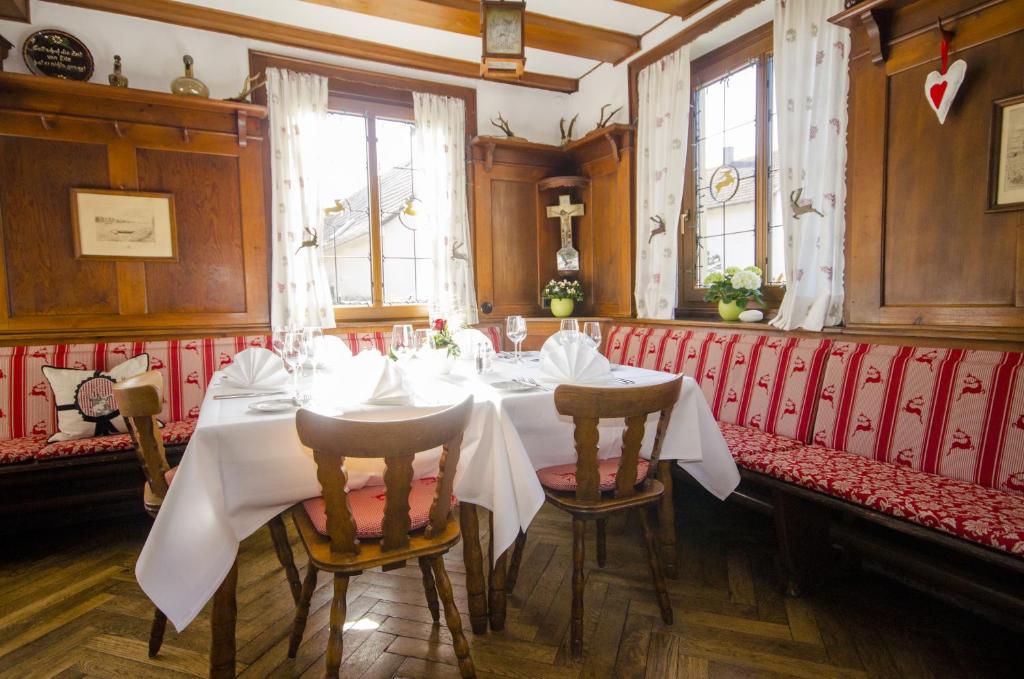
(139, 402)
(396, 441)
(588, 405)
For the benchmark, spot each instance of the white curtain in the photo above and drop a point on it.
(663, 129)
(811, 83)
(300, 294)
(439, 157)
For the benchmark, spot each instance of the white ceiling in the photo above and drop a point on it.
(608, 14)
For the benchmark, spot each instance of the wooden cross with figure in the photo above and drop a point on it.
(568, 257)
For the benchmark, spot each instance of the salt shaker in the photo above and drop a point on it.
(482, 357)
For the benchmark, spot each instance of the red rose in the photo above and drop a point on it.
(439, 324)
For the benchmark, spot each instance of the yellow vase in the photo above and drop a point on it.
(562, 308)
(729, 311)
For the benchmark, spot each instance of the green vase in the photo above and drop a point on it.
(730, 311)
(561, 308)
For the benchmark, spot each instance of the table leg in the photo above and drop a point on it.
(667, 520)
(225, 610)
(497, 594)
(472, 557)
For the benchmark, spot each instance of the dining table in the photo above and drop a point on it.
(244, 466)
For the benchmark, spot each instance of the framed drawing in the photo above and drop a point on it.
(1006, 173)
(126, 225)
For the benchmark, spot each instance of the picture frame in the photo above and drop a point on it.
(118, 225)
(1006, 155)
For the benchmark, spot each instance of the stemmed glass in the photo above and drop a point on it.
(313, 338)
(570, 325)
(403, 341)
(277, 340)
(293, 351)
(592, 329)
(515, 330)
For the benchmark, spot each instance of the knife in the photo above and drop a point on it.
(250, 394)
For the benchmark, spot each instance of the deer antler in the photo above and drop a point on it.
(567, 134)
(503, 125)
(604, 120)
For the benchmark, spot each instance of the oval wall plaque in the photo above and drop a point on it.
(57, 54)
(725, 181)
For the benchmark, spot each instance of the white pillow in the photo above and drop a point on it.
(85, 399)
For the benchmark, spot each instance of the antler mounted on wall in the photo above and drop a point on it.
(603, 120)
(503, 125)
(567, 133)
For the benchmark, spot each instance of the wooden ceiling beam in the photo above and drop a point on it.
(681, 8)
(230, 23)
(463, 16)
(15, 10)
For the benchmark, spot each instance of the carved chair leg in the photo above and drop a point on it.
(801, 528)
(578, 529)
(284, 554)
(430, 589)
(472, 557)
(601, 542)
(339, 608)
(156, 632)
(655, 564)
(513, 566)
(302, 610)
(667, 521)
(496, 594)
(452, 618)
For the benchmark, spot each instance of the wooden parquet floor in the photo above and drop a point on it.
(70, 607)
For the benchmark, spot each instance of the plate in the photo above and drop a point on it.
(274, 405)
(508, 385)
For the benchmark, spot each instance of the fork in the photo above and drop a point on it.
(533, 383)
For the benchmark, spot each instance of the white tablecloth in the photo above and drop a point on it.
(241, 469)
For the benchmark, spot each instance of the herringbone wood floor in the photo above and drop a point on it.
(70, 607)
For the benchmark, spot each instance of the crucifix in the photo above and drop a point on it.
(568, 257)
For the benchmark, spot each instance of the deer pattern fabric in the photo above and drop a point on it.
(300, 295)
(811, 83)
(662, 130)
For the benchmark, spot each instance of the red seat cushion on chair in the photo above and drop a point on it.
(174, 433)
(967, 510)
(743, 441)
(563, 477)
(367, 506)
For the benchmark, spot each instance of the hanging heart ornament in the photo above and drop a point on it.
(940, 88)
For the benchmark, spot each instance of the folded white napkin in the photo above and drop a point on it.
(330, 351)
(468, 339)
(255, 368)
(567, 358)
(376, 380)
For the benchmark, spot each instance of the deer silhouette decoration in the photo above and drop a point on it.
(659, 229)
(312, 242)
(802, 207)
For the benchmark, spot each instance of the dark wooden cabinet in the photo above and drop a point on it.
(515, 240)
(56, 135)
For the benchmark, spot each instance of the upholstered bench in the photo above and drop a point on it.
(44, 483)
(926, 441)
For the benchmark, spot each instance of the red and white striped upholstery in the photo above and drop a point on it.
(174, 433)
(958, 413)
(743, 441)
(966, 510)
(367, 505)
(21, 449)
(563, 477)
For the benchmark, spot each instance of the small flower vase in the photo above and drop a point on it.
(729, 311)
(562, 308)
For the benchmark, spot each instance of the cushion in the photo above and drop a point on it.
(770, 383)
(743, 441)
(563, 476)
(967, 510)
(174, 433)
(21, 449)
(493, 332)
(85, 398)
(367, 505)
(958, 413)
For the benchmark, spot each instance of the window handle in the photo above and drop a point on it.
(684, 219)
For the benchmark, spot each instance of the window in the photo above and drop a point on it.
(378, 258)
(732, 204)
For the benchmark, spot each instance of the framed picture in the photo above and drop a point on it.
(131, 225)
(1006, 175)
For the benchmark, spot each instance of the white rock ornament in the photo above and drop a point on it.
(752, 316)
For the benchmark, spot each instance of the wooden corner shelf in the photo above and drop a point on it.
(875, 16)
(568, 182)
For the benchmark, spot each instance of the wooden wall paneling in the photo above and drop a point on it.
(16, 10)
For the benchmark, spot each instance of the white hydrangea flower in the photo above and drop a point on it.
(746, 280)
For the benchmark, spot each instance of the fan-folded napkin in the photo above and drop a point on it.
(330, 351)
(468, 339)
(378, 381)
(567, 358)
(255, 368)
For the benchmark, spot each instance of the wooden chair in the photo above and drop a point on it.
(139, 402)
(593, 489)
(347, 532)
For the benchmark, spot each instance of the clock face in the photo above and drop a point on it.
(504, 31)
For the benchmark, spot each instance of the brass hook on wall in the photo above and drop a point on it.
(47, 124)
(946, 33)
(185, 135)
(117, 130)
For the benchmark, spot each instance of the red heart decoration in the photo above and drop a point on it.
(937, 91)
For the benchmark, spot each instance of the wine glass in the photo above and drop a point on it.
(277, 339)
(424, 340)
(515, 330)
(592, 329)
(313, 338)
(403, 340)
(293, 352)
(572, 326)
